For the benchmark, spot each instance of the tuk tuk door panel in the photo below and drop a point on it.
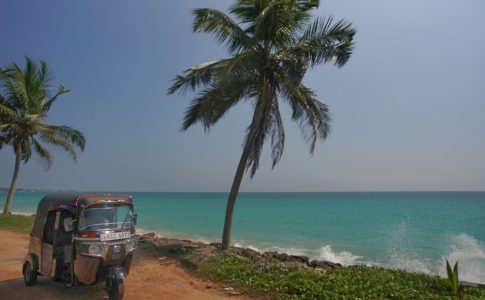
(46, 264)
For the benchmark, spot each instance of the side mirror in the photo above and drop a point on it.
(68, 224)
(135, 218)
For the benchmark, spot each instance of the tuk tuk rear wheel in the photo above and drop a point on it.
(116, 288)
(30, 276)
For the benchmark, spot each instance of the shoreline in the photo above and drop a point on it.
(323, 253)
(175, 245)
(211, 273)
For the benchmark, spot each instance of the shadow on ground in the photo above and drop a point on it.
(48, 289)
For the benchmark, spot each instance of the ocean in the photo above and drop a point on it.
(415, 231)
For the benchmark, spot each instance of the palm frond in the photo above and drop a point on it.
(196, 76)
(325, 41)
(223, 27)
(5, 110)
(43, 153)
(312, 116)
(53, 139)
(48, 104)
(63, 133)
(277, 134)
(260, 128)
(215, 101)
(13, 88)
(247, 10)
(210, 73)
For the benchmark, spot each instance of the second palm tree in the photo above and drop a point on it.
(272, 43)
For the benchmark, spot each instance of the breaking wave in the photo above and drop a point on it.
(345, 257)
(470, 254)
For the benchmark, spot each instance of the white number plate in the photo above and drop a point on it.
(115, 236)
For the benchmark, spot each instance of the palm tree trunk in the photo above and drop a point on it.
(241, 168)
(231, 201)
(11, 191)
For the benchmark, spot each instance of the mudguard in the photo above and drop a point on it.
(32, 259)
(117, 272)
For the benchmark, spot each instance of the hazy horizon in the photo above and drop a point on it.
(407, 108)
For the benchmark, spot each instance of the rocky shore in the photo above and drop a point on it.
(190, 253)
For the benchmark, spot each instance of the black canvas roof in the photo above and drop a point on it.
(68, 200)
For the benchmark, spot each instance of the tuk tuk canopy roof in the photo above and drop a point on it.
(70, 201)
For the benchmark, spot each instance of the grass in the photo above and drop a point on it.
(357, 282)
(17, 222)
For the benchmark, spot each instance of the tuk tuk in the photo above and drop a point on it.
(83, 239)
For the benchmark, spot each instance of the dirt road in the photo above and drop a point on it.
(148, 279)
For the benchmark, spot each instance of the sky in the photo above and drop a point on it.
(408, 108)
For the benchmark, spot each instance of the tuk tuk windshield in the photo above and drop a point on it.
(101, 217)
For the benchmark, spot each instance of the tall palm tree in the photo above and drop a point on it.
(26, 99)
(272, 43)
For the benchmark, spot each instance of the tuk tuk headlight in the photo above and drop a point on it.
(96, 249)
(130, 245)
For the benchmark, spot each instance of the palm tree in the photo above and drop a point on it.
(25, 100)
(272, 43)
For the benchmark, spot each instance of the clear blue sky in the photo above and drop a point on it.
(408, 108)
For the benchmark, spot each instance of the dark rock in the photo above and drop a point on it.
(148, 237)
(472, 284)
(268, 254)
(251, 254)
(300, 259)
(323, 264)
(282, 257)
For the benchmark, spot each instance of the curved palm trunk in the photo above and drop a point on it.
(11, 191)
(241, 168)
(231, 201)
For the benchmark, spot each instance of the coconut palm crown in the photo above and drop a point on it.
(25, 100)
(271, 43)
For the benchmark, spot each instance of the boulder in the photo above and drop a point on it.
(300, 258)
(323, 264)
(147, 237)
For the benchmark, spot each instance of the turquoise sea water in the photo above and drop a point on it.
(412, 231)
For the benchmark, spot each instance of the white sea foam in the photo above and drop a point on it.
(402, 255)
(261, 249)
(468, 251)
(22, 213)
(345, 257)
(470, 254)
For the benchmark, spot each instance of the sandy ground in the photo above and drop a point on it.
(148, 279)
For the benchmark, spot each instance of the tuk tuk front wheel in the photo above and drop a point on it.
(115, 288)
(30, 276)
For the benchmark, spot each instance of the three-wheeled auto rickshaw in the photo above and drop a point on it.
(83, 239)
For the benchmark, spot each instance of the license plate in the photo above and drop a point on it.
(115, 236)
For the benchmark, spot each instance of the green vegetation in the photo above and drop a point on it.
(25, 101)
(454, 284)
(357, 282)
(271, 44)
(17, 222)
